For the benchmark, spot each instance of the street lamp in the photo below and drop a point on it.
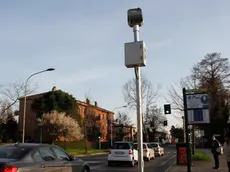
(111, 123)
(25, 94)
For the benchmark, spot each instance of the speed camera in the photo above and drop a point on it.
(135, 17)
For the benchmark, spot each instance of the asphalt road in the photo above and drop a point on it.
(160, 164)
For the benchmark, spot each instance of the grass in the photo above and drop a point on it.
(201, 156)
(76, 152)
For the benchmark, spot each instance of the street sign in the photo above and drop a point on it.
(198, 108)
(197, 101)
(198, 116)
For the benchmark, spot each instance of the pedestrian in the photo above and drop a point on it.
(227, 149)
(215, 145)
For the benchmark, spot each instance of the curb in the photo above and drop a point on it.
(102, 153)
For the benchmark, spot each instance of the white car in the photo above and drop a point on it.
(159, 150)
(148, 151)
(123, 152)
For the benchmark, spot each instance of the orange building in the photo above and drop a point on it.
(32, 128)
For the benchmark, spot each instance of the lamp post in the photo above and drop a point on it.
(25, 94)
(111, 123)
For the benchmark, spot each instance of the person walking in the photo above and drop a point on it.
(215, 145)
(227, 150)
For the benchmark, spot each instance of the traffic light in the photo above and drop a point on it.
(166, 123)
(167, 109)
(99, 135)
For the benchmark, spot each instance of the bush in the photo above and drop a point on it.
(201, 156)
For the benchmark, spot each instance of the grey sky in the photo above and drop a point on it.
(84, 41)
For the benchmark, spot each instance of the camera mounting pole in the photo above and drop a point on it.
(135, 58)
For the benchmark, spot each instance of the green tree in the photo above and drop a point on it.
(59, 101)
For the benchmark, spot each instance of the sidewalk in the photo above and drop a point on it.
(202, 166)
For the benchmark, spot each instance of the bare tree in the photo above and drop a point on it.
(148, 94)
(154, 119)
(12, 92)
(213, 73)
(6, 113)
(213, 68)
(175, 96)
(123, 118)
(123, 124)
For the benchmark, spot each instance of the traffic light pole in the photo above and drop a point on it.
(187, 131)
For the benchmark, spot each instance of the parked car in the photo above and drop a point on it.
(123, 152)
(38, 158)
(148, 151)
(159, 150)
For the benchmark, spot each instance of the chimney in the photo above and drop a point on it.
(54, 88)
(95, 103)
(87, 101)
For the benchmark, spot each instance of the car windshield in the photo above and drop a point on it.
(13, 152)
(121, 146)
(154, 145)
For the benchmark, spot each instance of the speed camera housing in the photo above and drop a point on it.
(135, 54)
(135, 17)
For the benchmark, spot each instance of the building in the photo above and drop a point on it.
(102, 116)
(124, 132)
(33, 130)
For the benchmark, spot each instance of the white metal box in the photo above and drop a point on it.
(135, 54)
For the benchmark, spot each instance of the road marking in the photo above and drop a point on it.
(168, 160)
(168, 168)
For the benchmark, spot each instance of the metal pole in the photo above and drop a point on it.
(111, 125)
(24, 113)
(139, 108)
(25, 98)
(41, 134)
(186, 130)
(193, 139)
(99, 141)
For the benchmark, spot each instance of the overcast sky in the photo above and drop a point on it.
(84, 42)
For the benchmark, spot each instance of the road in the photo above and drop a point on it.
(160, 164)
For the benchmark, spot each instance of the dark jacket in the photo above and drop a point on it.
(215, 145)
